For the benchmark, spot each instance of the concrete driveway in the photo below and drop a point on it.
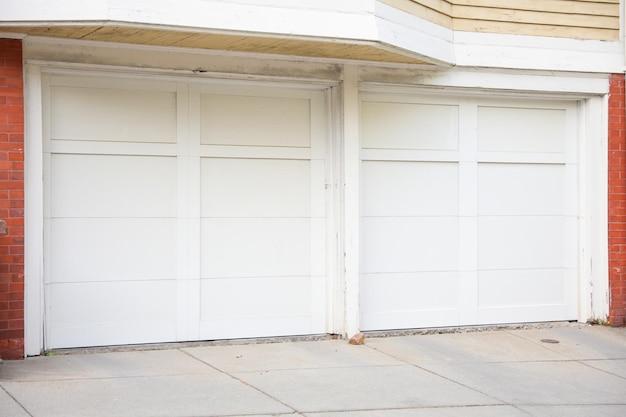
(483, 374)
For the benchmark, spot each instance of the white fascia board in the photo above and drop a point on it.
(414, 23)
(488, 80)
(342, 5)
(565, 83)
(537, 53)
(45, 10)
(228, 16)
(331, 22)
(414, 35)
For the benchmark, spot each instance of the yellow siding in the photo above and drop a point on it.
(419, 8)
(582, 19)
(555, 6)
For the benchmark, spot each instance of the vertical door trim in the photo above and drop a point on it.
(188, 213)
(351, 202)
(334, 237)
(33, 213)
(468, 212)
(593, 298)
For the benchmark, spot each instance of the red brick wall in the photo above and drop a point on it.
(617, 201)
(11, 199)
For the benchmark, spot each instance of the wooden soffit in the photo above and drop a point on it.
(304, 47)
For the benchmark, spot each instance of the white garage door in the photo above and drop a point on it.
(469, 211)
(182, 211)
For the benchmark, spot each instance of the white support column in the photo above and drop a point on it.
(33, 227)
(593, 203)
(334, 206)
(188, 158)
(351, 201)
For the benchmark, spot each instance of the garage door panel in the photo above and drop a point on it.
(406, 292)
(255, 120)
(111, 249)
(263, 215)
(409, 244)
(182, 210)
(525, 242)
(525, 314)
(517, 129)
(501, 288)
(97, 313)
(122, 115)
(392, 320)
(258, 296)
(394, 188)
(387, 125)
(270, 247)
(503, 222)
(232, 328)
(406, 319)
(112, 186)
(261, 307)
(522, 189)
(250, 327)
(255, 188)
